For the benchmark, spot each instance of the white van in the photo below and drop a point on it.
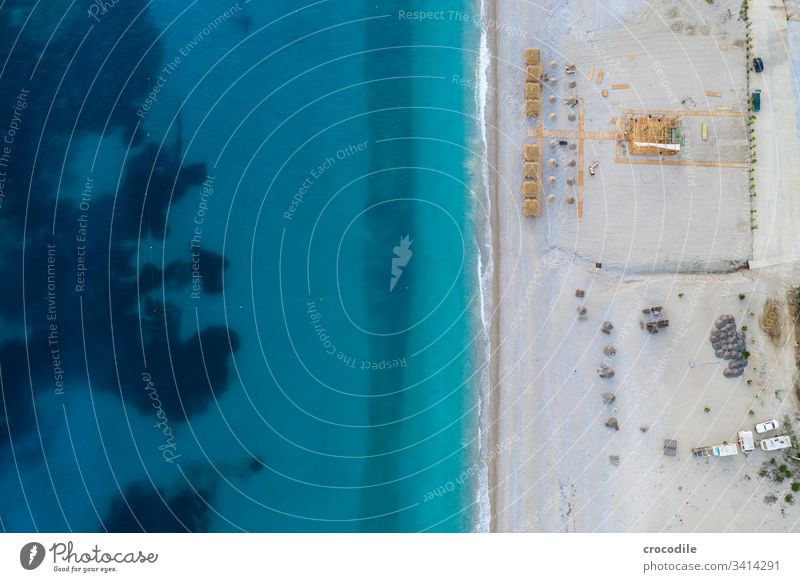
(725, 450)
(746, 441)
(776, 443)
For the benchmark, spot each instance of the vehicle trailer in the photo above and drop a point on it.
(723, 450)
(776, 443)
(746, 441)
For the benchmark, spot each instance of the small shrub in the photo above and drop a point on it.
(796, 486)
(789, 498)
(742, 296)
(744, 328)
(706, 410)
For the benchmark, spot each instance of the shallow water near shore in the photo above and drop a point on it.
(253, 229)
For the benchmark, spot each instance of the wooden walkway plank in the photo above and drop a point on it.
(680, 163)
(541, 154)
(580, 157)
(685, 113)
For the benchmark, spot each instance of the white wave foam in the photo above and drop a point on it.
(484, 511)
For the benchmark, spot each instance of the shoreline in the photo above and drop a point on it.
(489, 279)
(492, 195)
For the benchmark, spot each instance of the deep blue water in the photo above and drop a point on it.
(201, 203)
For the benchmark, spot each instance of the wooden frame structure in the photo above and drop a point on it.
(653, 134)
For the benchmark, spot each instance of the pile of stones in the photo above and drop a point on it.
(729, 344)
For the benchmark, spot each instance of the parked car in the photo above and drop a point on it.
(758, 65)
(776, 443)
(767, 426)
(757, 100)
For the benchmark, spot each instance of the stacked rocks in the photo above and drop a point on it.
(729, 344)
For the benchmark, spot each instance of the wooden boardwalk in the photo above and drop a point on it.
(666, 162)
(577, 134)
(581, 135)
(685, 113)
(581, 139)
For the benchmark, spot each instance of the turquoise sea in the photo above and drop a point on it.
(240, 272)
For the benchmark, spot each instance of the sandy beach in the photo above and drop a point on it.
(679, 236)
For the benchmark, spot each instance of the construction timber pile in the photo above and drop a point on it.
(531, 184)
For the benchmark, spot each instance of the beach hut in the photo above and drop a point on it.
(532, 107)
(531, 189)
(532, 56)
(531, 152)
(533, 91)
(533, 73)
(531, 207)
(529, 170)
